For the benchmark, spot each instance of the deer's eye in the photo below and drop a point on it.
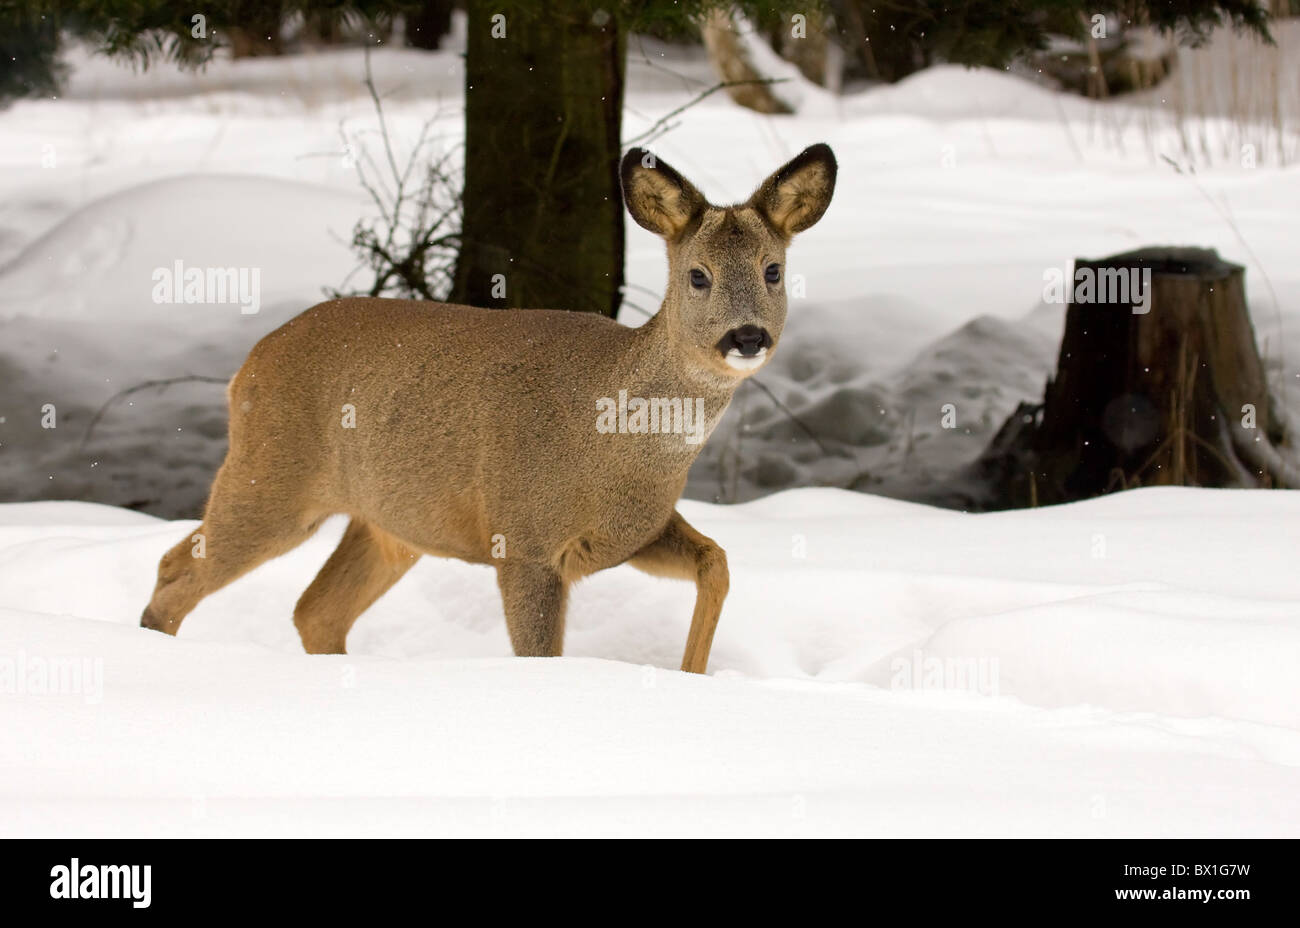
(772, 274)
(699, 279)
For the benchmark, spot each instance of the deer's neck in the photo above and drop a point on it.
(658, 361)
(656, 371)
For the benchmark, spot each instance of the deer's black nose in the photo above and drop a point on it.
(748, 340)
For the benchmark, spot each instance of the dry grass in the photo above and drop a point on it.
(1237, 100)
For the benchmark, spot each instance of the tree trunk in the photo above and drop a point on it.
(258, 30)
(733, 61)
(886, 47)
(1175, 394)
(854, 30)
(543, 214)
(426, 26)
(809, 49)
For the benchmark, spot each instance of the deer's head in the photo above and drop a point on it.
(726, 300)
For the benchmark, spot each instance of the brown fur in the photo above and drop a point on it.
(477, 427)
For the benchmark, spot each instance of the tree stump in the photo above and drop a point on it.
(1159, 381)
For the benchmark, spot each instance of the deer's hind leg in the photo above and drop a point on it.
(683, 553)
(243, 527)
(367, 562)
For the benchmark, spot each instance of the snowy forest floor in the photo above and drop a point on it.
(881, 668)
(921, 288)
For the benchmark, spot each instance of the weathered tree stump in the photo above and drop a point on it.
(1159, 381)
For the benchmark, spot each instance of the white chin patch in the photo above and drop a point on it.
(742, 363)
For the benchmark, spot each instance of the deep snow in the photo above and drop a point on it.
(1103, 682)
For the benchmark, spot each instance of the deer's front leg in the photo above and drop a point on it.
(534, 598)
(685, 554)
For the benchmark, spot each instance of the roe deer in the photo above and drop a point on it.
(490, 435)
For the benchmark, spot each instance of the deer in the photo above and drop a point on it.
(502, 436)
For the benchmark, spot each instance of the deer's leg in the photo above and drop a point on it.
(534, 597)
(683, 553)
(362, 568)
(241, 529)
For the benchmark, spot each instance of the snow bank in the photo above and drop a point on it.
(1117, 684)
(99, 264)
(81, 324)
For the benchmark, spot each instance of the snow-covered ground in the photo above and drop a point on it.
(1119, 667)
(880, 668)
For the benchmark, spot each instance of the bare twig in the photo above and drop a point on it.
(411, 249)
(147, 385)
(793, 418)
(662, 121)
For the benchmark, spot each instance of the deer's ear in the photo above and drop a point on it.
(658, 198)
(795, 197)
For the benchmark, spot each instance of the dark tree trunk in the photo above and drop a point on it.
(1172, 395)
(427, 25)
(881, 38)
(853, 29)
(258, 31)
(543, 110)
(252, 42)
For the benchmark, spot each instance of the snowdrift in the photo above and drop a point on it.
(1118, 667)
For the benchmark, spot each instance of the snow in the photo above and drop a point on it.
(1124, 689)
(1118, 667)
